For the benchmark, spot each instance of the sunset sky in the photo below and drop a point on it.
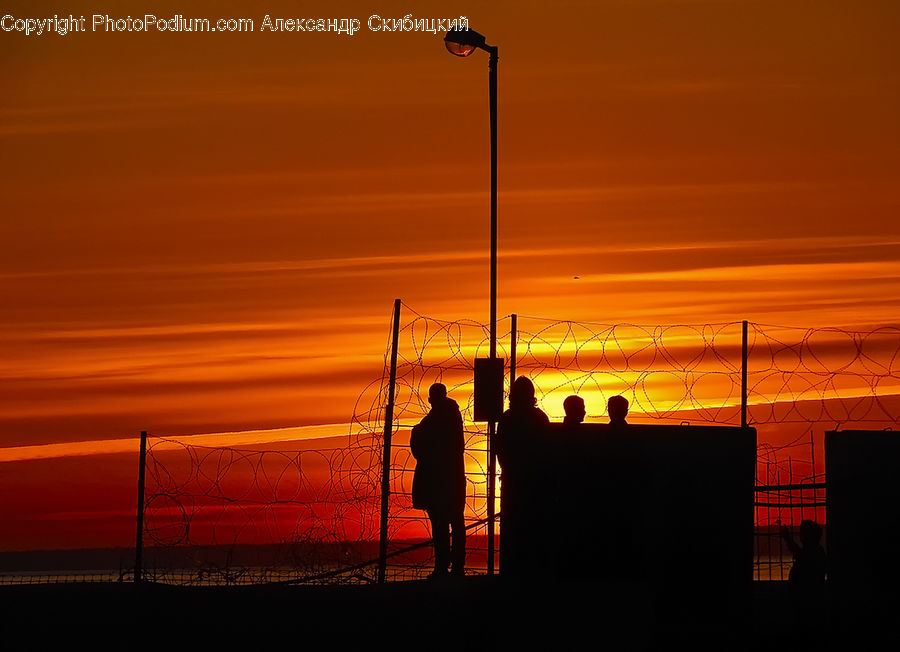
(205, 233)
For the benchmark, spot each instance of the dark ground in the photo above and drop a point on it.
(467, 613)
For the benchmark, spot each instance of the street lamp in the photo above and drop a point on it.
(462, 42)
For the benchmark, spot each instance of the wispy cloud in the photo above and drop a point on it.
(324, 433)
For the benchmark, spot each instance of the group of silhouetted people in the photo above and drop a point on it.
(439, 483)
(616, 408)
(521, 435)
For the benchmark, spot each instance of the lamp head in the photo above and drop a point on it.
(462, 41)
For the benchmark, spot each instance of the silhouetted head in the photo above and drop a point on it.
(437, 393)
(521, 394)
(617, 408)
(810, 533)
(574, 407)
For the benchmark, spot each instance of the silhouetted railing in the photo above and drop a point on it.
(780, 506)
(15, 579)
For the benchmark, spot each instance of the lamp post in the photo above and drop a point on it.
(462, 42)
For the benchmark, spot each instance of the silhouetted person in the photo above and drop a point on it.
(618, 505)
(807, 576)
(617, 409)
(521, 423)
(809, 568)
(519, 442)
(439, 482)
(574, 407)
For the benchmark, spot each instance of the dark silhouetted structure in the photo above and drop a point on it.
(439, 482)
(862, 515)
(521, 436)
(617, 409)
(637, 506)
(574, 407)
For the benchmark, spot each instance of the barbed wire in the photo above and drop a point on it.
(272, 509)
(317, 510)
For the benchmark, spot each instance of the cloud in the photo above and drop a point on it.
(324, 435)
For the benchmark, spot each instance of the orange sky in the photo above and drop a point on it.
(205, 232)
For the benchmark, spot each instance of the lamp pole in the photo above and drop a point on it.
(492, 425)
(492, 84)
(462, 42)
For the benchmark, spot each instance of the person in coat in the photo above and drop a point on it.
(439, 482)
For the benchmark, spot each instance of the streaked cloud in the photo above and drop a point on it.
(325, 432)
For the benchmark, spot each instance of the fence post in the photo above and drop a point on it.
(386, 455)
(139, 539)
(492, 454)
(744, 351)
(513, 340)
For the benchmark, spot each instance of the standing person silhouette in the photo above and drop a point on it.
(520, 438)
(439, 482)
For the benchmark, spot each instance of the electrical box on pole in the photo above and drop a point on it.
(488, 389)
